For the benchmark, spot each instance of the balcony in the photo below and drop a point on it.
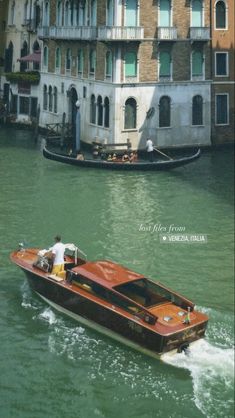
(26, 77)
(199, 34)
(68, 33)
(31, 25)
(120, 33)
(167, 34)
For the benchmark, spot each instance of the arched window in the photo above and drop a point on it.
(45, 57)
(68, 60)
(8, 58)
(197, 63)
(55, 94)
(23, 53)
(66, 13)
(92, 61)
(164, 112)
(106, 112)
(71, 16)
(44, 97)
(75, 6)
(131, 13)
(197, 110)
(93, 109)
(165, 13)
(93, 12)
(164, 64)
(57, 59)
(197, 13)
(220, 15)
(12, 15)
(25, 12)
(100, 111)
(81, 14)
(109, 13)
(36, 48)
(109, 64)
(130, 114)
(50, 98)
(80, 62)
(130, 64)
(36, 14)
(59, 13)
(46, 16)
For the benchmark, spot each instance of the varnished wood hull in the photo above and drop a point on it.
(108, 321)
(130, 322)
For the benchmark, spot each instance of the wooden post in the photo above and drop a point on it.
(62, 131)
(37, 124)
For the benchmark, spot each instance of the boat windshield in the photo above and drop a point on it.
(146, 293)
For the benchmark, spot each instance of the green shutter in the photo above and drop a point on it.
(197, 13)
(130, 64)
(197, 63)
(165, 13)
(165, 64)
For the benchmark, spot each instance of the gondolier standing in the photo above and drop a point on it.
(149, 147)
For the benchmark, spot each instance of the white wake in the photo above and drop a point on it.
(212, 371)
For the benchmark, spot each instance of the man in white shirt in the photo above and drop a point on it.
(58, 255)
(149, 147)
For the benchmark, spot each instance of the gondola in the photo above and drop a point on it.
(119, 165)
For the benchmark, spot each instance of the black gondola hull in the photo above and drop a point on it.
(139, 165)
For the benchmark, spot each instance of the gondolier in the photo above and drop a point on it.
(149, 147)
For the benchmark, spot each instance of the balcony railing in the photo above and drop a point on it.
(167, 33)
(102, 33)
(200, 33)
(68, 33)
(117, 33)
(30, 24)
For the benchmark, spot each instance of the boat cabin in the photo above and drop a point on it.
(125, 289)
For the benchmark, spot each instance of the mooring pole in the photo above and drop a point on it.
(62, 130)
(78, 126)
(37, 124)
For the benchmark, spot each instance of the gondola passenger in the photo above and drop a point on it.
(125, 158)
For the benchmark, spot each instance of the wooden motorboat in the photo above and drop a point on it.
(119, 165)
(120, 303)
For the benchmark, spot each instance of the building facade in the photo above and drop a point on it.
(3, 23)
(21, 87)
(223, 70)
(139, 68)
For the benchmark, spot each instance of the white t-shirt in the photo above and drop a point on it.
(149, 145)
(58, 250)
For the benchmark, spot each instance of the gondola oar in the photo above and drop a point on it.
(156, 149)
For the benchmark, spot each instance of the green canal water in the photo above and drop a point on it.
(50, 365)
